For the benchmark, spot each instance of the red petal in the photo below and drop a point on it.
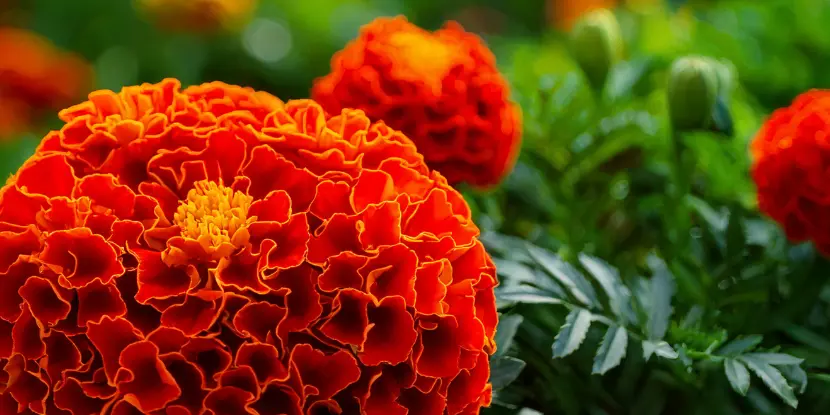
(190, 381)
(430, 284)
(349, 319)
(329, 374)
(435, 216)
(381, 225)
(302, 301)
(242, 377)
(15, 244)
(158, 280)
(96, 300)
(439, 354)
(392, 273)
(127, 233)
(61, 355)
(168, 339)
(392, 334)
(6, 339)
(143, 379)
(283, 245)
(28, 389)
(10, 283)
(104, 190)
(209, 355)
(276, 207)
(331, 198)
(166, 199)
(266, 164)
(327, 407)
(339, 234)
(48, 175)
(27, 336)
(264, 360)
(81, 257)
(228, 400)
(242, 272)
(198, 312)
(124, 407)
(144, 317)
(372, 187)
(19, 208)
(341, 272)
(383, 396)
(469, 386)
(278, 399)
(71, 397)
(110, 337)
(258, 319)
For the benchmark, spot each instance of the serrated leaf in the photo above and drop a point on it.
(566, 274)
(661, 349)
(740, 345)
(572, 333)
(504, 370)
(796, 375)
(661, 290)
(772, 377)
(737, 374)
(517, 272)
(506, 331)
(776, 359)
(524, 294)
(611, 350)
(609, 279)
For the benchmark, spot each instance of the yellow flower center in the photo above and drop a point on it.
(426, 58)
(213, 214)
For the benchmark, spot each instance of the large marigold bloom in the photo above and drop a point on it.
(791, 158)
(441, 89)
(34, 77)
(215, 250)
(198, 15)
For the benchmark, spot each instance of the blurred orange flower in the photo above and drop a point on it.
(564, 13)
(442, 89)
(198, 15)
(34, 75)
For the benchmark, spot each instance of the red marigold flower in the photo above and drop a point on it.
(198, 15)
(791, 153)
(441, 89)
(215, 250)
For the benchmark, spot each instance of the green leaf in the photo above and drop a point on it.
(735, 237)
(661, 290)
(566, 274)
(609, 279)
(611, 350)
(572, 333)
(722, 117)
(737, 374)
(521, 273)
(796, 375)
(506, 331)
(776, 358)
(661, 349)
(740, 345)
(524, 294)
(809, 338)
(504, 370)
(773, 378)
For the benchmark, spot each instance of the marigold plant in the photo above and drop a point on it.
(791, 156)
(215, 250)
(34, 75)
(441, 89)
(198, 15)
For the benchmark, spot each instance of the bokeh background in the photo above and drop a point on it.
(594, 175)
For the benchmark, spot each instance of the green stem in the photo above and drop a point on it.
(682, 178)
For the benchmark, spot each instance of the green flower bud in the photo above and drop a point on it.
(726, 74)
(596, 45)
(692, 91)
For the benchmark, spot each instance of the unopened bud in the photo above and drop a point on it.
(597, 45)
(692, 92)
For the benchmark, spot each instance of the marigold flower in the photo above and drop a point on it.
(791, 153)
(441, 89)
(198, 15)
(217, 250)
(35, 76)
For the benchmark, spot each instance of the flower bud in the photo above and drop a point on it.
(692, 91)
(596, 45)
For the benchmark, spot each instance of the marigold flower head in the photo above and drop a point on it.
(198, 15)
(441, 89)
(791, 156)
(216, 250)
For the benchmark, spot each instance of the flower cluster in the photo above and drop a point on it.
(215, 250)
(35, 76)
(198, 15)
(791, 156)
(441, 89)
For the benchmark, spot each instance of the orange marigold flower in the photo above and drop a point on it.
(441, 89)
(198, 15)
(216, 249)
(791, 155)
